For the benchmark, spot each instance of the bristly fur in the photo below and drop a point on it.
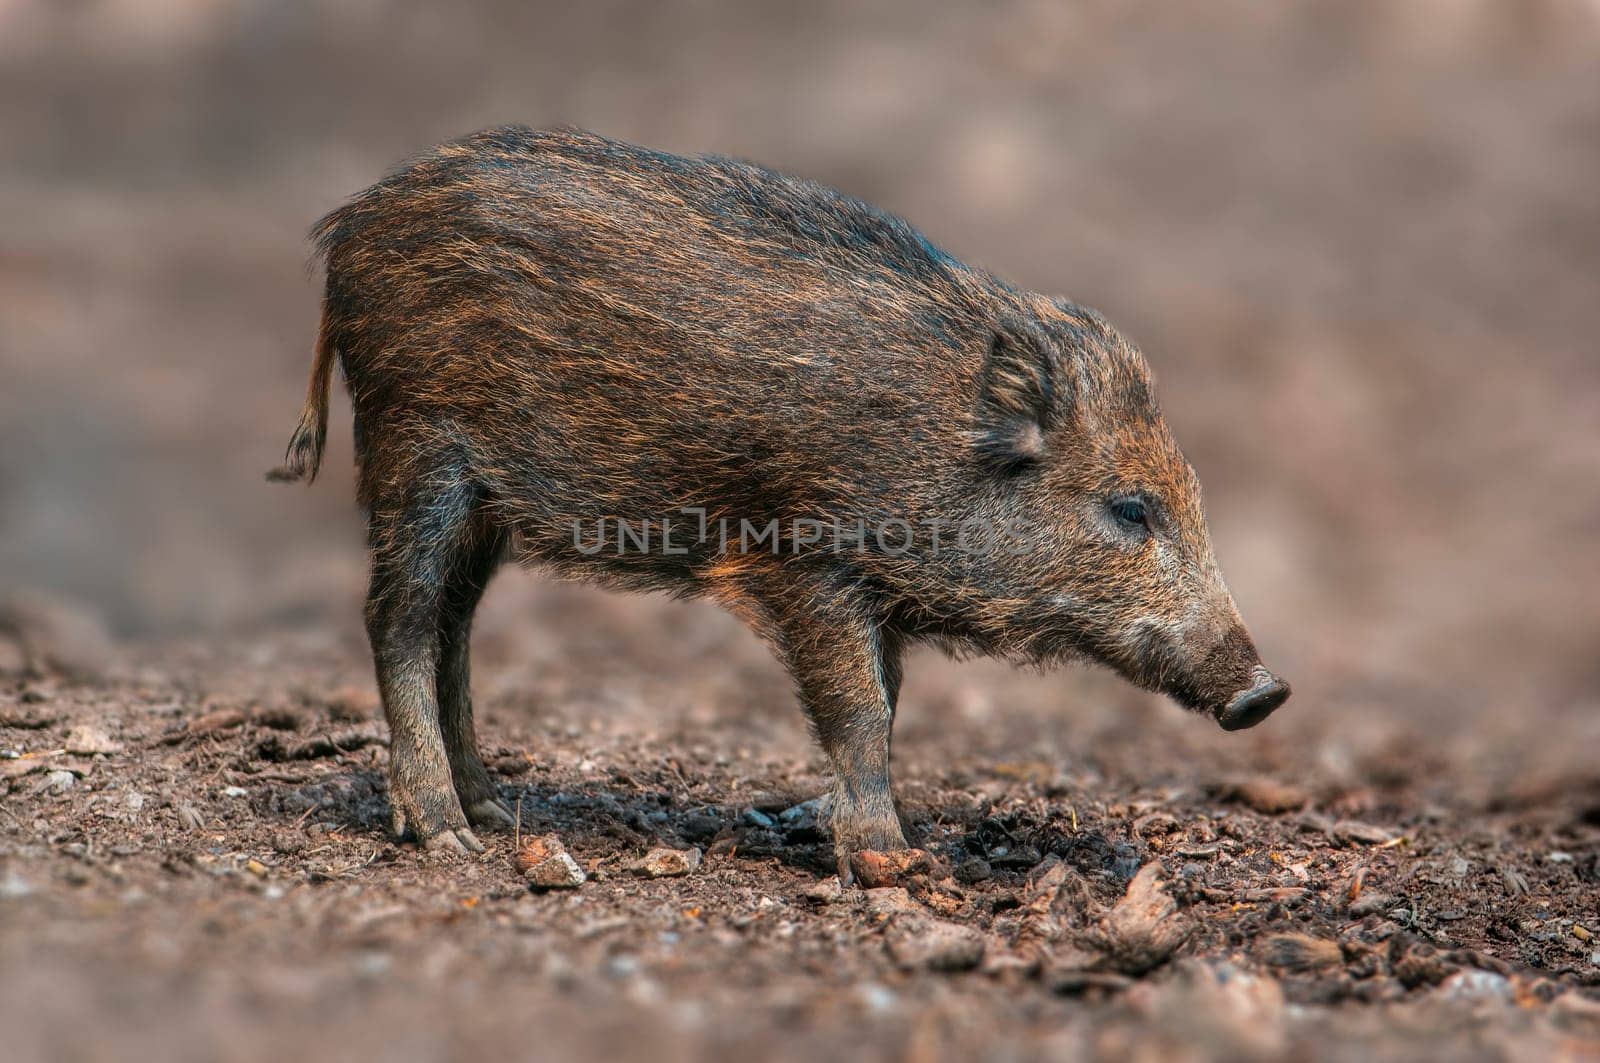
(304, 455)
(542, 329)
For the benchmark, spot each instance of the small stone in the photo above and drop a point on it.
(825, 892)
(757, 818)
(770, 802)
(1351, 831)
(973, 869)
(188, 818)
(546, 865)
(134, 801)
(803, 814)
(235, 792)
(1234, 1013)
(60, 781)
(88, 740)
(289, 842)
(918, 944)
(666, 863)
(556, 872)
(216, 720)
(877, 998)
(1265, 795)
(700, 826)
(1474, 985)
(256, 868)
(1019, 856)
(1368, 903)
(888, 900)
(17, 767)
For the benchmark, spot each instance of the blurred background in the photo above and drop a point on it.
(1359, 242)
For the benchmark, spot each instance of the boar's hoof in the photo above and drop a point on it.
(879, 842)
(490, 813)
(1254, 705)
(460, 841)
(875, 869)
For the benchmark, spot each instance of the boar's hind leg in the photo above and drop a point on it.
(848, 673)
(461, 595)
(416, 542)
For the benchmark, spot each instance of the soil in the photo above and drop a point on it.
(1358, 244)
(195, 862)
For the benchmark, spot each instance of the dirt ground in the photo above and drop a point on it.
(208, 821)
(1358, 244)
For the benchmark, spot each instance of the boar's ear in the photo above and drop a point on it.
(1018, 395)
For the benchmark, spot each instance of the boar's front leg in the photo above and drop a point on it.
(847, 669)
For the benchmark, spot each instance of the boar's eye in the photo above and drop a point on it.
(1131, 512)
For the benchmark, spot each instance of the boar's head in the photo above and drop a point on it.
(1112, 558)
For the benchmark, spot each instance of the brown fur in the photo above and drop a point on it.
(543, 329)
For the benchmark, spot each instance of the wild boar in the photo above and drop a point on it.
(700, 376)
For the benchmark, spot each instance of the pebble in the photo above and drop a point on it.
(1266, 795)
(1368, 903)
(757, 818)
(235, 791)
(1234, 1013)
(134, 801)
(546, 865)
(60, 781)
(88, 740)
(888, 900)
(1474, 985)
(666, 863)
(289, 841)
(1349, 830)
(917, 944)
(558, 872)
(806, 816)
(825, 892)
(876, 997)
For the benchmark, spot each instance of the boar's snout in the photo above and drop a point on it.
(1231, 683)
(1254, 704)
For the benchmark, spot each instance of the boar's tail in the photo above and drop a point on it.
(304, 456)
